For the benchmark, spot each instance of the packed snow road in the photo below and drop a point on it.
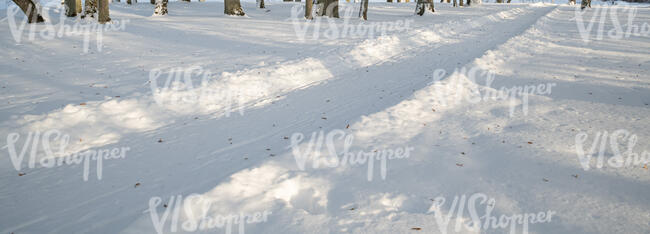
(470, 120)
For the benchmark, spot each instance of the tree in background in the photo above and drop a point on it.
(363, 10)
(90, 8)
(161, 7)
(70, 8)
(328, 8)
(309, 4)
(260, 3)
(419, 7)
(103, 12)
(29, 8)
(584, 4)
(233, 7)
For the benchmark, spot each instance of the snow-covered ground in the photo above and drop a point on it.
(437, 92)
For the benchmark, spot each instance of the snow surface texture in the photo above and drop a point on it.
(380, 89)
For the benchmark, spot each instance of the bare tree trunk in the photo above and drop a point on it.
(470, 2)
(419, 7)
(153, 2)
(320, 10)
(70, 8)
(91, 8)
(260, 3)
(309, 4)
(161, 7)
(29, 8)
(461, 2)
(78, 6)
(389, 0)
(456, 4)
(431, 8)
(584, 4)
(103, 12)
(330, 8)
(185, 0)
(363, 10)
(232, 7)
